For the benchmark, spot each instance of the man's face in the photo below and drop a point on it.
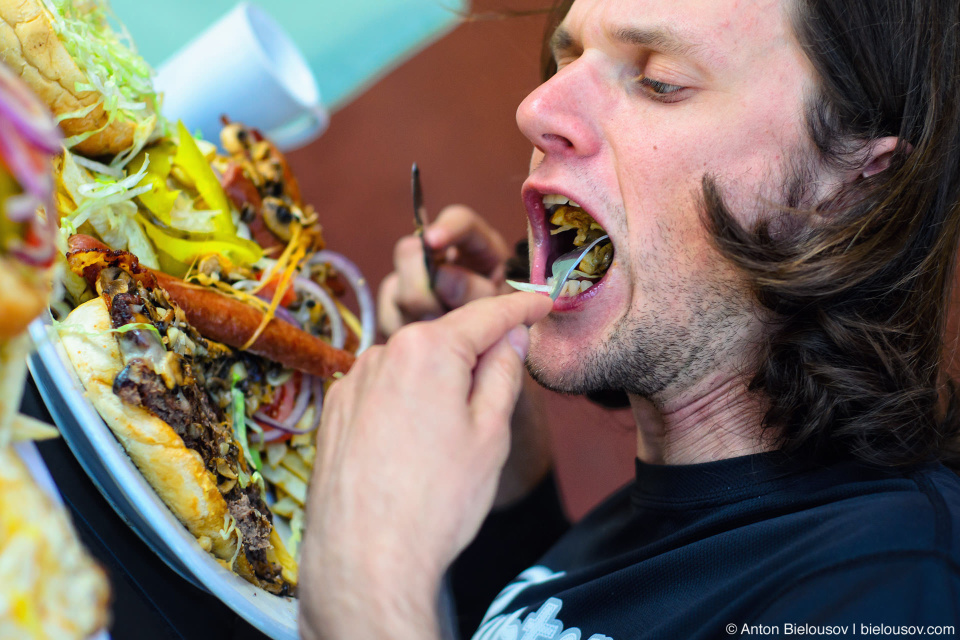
(650, 97)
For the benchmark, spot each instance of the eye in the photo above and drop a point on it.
(661, 90)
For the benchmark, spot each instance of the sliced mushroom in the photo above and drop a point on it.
(224, 469)
(232, 137)
(260, 150)
(277, 215)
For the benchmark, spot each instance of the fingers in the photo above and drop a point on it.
(479, 246)
(479, 325)
(389, 317)
(479, 254)
(413, 296)
(497, 380)
(457, 286)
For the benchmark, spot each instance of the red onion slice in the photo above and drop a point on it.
(308, 388)
(30, 166)
(317, 403)
(22, 207)
(315, 291)
(360, 288)
(284, 314)
(281, 312)
(39, 256)
(27, 113)
(269, 436)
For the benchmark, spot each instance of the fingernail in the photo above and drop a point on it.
(433, 236)
(519, 339)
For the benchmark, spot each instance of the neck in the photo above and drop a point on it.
(719, 419)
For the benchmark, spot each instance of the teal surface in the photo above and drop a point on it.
(348, 43)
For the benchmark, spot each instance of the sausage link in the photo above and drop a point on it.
(222, 318)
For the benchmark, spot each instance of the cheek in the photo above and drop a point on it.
(748, 159)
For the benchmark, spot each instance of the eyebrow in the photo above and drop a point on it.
(658, 39)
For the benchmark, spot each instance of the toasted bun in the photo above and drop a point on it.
(30, 46)
(175, 472)
(49, 587)
(22, 297)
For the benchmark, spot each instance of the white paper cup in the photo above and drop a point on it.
(246, 67)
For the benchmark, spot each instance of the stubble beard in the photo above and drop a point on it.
(646, 355)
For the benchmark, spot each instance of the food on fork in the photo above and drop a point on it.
(571, 227)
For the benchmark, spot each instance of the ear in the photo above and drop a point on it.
(879, 154)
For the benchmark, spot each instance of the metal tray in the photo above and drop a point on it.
(117, 478)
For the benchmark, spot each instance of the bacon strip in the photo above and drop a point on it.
(217, 316)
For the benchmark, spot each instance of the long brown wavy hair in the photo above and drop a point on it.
(854, 365)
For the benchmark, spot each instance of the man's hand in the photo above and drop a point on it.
(476, 256)
(409, 454)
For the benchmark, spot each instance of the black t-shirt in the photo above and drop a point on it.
(757, 546)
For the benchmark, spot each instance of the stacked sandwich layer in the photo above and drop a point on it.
(49, 586)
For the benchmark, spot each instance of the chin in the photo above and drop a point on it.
(559, 362)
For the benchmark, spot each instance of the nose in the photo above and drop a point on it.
(559, 116)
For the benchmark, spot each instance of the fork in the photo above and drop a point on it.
(563, 268)
(565, 265)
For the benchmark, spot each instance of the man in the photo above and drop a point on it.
(779, 182)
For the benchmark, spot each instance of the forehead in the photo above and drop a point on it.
(719, 32)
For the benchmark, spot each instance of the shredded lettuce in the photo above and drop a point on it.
(73, 141)
(98, 167)
(230, 528)
(242, 478)
(133, 326)
(107, 204)
(59, 326)
(185, 217)
(107, 57)
(79, 113)
(296, 532)
(141, 135)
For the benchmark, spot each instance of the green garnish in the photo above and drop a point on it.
(240, 425)
(133, 326)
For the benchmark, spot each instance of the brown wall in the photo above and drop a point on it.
(451, 109)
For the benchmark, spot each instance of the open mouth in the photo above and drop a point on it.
(572, 228)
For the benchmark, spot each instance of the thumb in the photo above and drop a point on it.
(497, 380)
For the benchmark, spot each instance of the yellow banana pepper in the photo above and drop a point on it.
(190, 159)
(160, 199)
(183, 247)
(177, 248)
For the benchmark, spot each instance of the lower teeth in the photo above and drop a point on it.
(572, 287)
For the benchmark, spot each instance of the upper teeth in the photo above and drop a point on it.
(552, 199)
